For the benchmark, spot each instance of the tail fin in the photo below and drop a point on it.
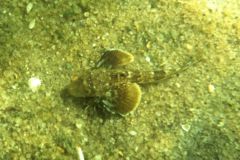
(163, 75)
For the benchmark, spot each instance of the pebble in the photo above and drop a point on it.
(211, 88)
(148, 45)
(29, 7)
(79, 124)
(148, 59)
(34, 83)
(31, 24)
(80, 153)
(98, 157)
(212, 5)
(186, 127)
(178, 85)
(133, 133)
(189, 47)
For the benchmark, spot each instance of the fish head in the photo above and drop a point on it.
(79, 88)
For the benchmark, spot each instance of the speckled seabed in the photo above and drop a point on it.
(194, 115)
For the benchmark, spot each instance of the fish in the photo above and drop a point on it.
(119, 87)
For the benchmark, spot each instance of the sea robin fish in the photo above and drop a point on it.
(120, 87)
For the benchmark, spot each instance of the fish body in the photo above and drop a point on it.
(119, 87)
(98, 82)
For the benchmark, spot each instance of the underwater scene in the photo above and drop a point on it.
(119, 79)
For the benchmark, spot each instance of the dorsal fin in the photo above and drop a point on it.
(115, 58)
(125, 99)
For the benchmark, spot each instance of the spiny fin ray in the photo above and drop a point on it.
(115, 58)
(128, 98)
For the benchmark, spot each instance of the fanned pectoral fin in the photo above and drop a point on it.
(115, 58)
(126, 98)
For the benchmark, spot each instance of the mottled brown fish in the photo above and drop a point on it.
(119, 87)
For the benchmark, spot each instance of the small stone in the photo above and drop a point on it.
(178, 85)
(79, 124)
(29, 7)
(212, 5)
(86, 14)
(80, 153)
(186, 127)
(31, 24)
(148, 45)
(14, 86)
(211, 88)
(34, 83)
(98, 157)
(133, 133)
(189, 47)
(148, 59)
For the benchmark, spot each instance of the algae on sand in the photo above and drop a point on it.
(68, 36)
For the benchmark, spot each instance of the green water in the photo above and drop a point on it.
(194, 115)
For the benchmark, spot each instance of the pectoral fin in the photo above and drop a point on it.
(115, 58)
(125, 99)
